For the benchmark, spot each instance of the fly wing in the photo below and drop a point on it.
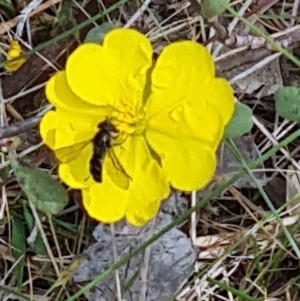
(116, 171)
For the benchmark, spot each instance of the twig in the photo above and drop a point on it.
(117, 275)
(19, 127)
(294, 12)
(44, 238)
(13, 22)
(145, 264)
(255, 67)
(55, 240)
(137, 14)
(24, 15)
(259, 5)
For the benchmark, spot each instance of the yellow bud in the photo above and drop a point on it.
(14, 52)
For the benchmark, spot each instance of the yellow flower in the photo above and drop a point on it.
(14, 52)
(169, 119)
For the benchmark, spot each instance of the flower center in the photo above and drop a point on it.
(128, 121)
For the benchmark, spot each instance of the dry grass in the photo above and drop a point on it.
(248, 239)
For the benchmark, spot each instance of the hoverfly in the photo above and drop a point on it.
(102, 144)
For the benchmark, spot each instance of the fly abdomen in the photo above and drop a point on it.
(99, 146)
(96, 169)
(101, 143)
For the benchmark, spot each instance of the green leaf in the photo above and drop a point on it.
(126, 287)
(287, 103)
(240, 123)
(46, 193)
(96, 34)
(7, 8)
(65, 13)
(38, 244)
(4, 172)
(18, 242)
(212, 8)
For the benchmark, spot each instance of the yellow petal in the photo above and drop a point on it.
(14, 52)
(221, 98)
(185, 74)
(188, 120)
(107, 202)
(60, 129)
(187, 164)
(70, 153)
(61, 96)
(149, 185)
(114, 73)
(15, 65)
(76, 173)
(116, 171)
(183, 68)
(186, 114)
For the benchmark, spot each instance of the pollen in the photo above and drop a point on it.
(128, 121)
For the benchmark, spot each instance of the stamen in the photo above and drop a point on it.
(127, 120)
